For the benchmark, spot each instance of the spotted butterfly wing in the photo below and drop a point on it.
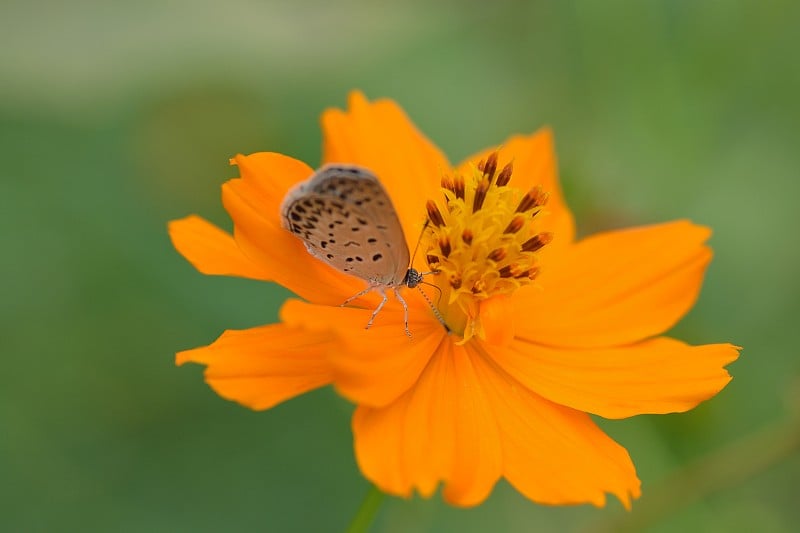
(345, 218)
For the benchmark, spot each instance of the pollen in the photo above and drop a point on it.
(483, 237)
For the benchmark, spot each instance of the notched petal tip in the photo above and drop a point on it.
(183, 357)
(356, 98)
(626, 498)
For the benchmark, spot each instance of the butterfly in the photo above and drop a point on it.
(346, 219)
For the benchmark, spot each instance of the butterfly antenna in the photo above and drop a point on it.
(439, 297)
(419, 240)
(435, 310)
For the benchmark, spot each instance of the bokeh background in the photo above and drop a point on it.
(116, 117)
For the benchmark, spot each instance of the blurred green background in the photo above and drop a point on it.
(116, 117)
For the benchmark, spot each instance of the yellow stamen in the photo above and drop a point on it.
(483, 239)
(505, 175)
(433, 213)
(480, 194)
(515, 225)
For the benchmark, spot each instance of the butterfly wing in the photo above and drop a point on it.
(346, 219)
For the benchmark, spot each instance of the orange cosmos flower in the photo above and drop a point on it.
(544, 329)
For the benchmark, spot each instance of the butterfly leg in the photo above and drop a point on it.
(405, 308)
(356, 296)
(377, 309)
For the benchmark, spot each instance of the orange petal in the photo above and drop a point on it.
(534, 160)
(553, 454)
(379, 136)
(615, 288)
(211, 250)
(258, 233)
(656, 376)
(264, 366)
(270, 176)
(375, 366)
(442, 429)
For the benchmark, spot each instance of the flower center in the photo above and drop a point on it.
(482, 240)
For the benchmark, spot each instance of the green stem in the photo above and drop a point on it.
(367, 511)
